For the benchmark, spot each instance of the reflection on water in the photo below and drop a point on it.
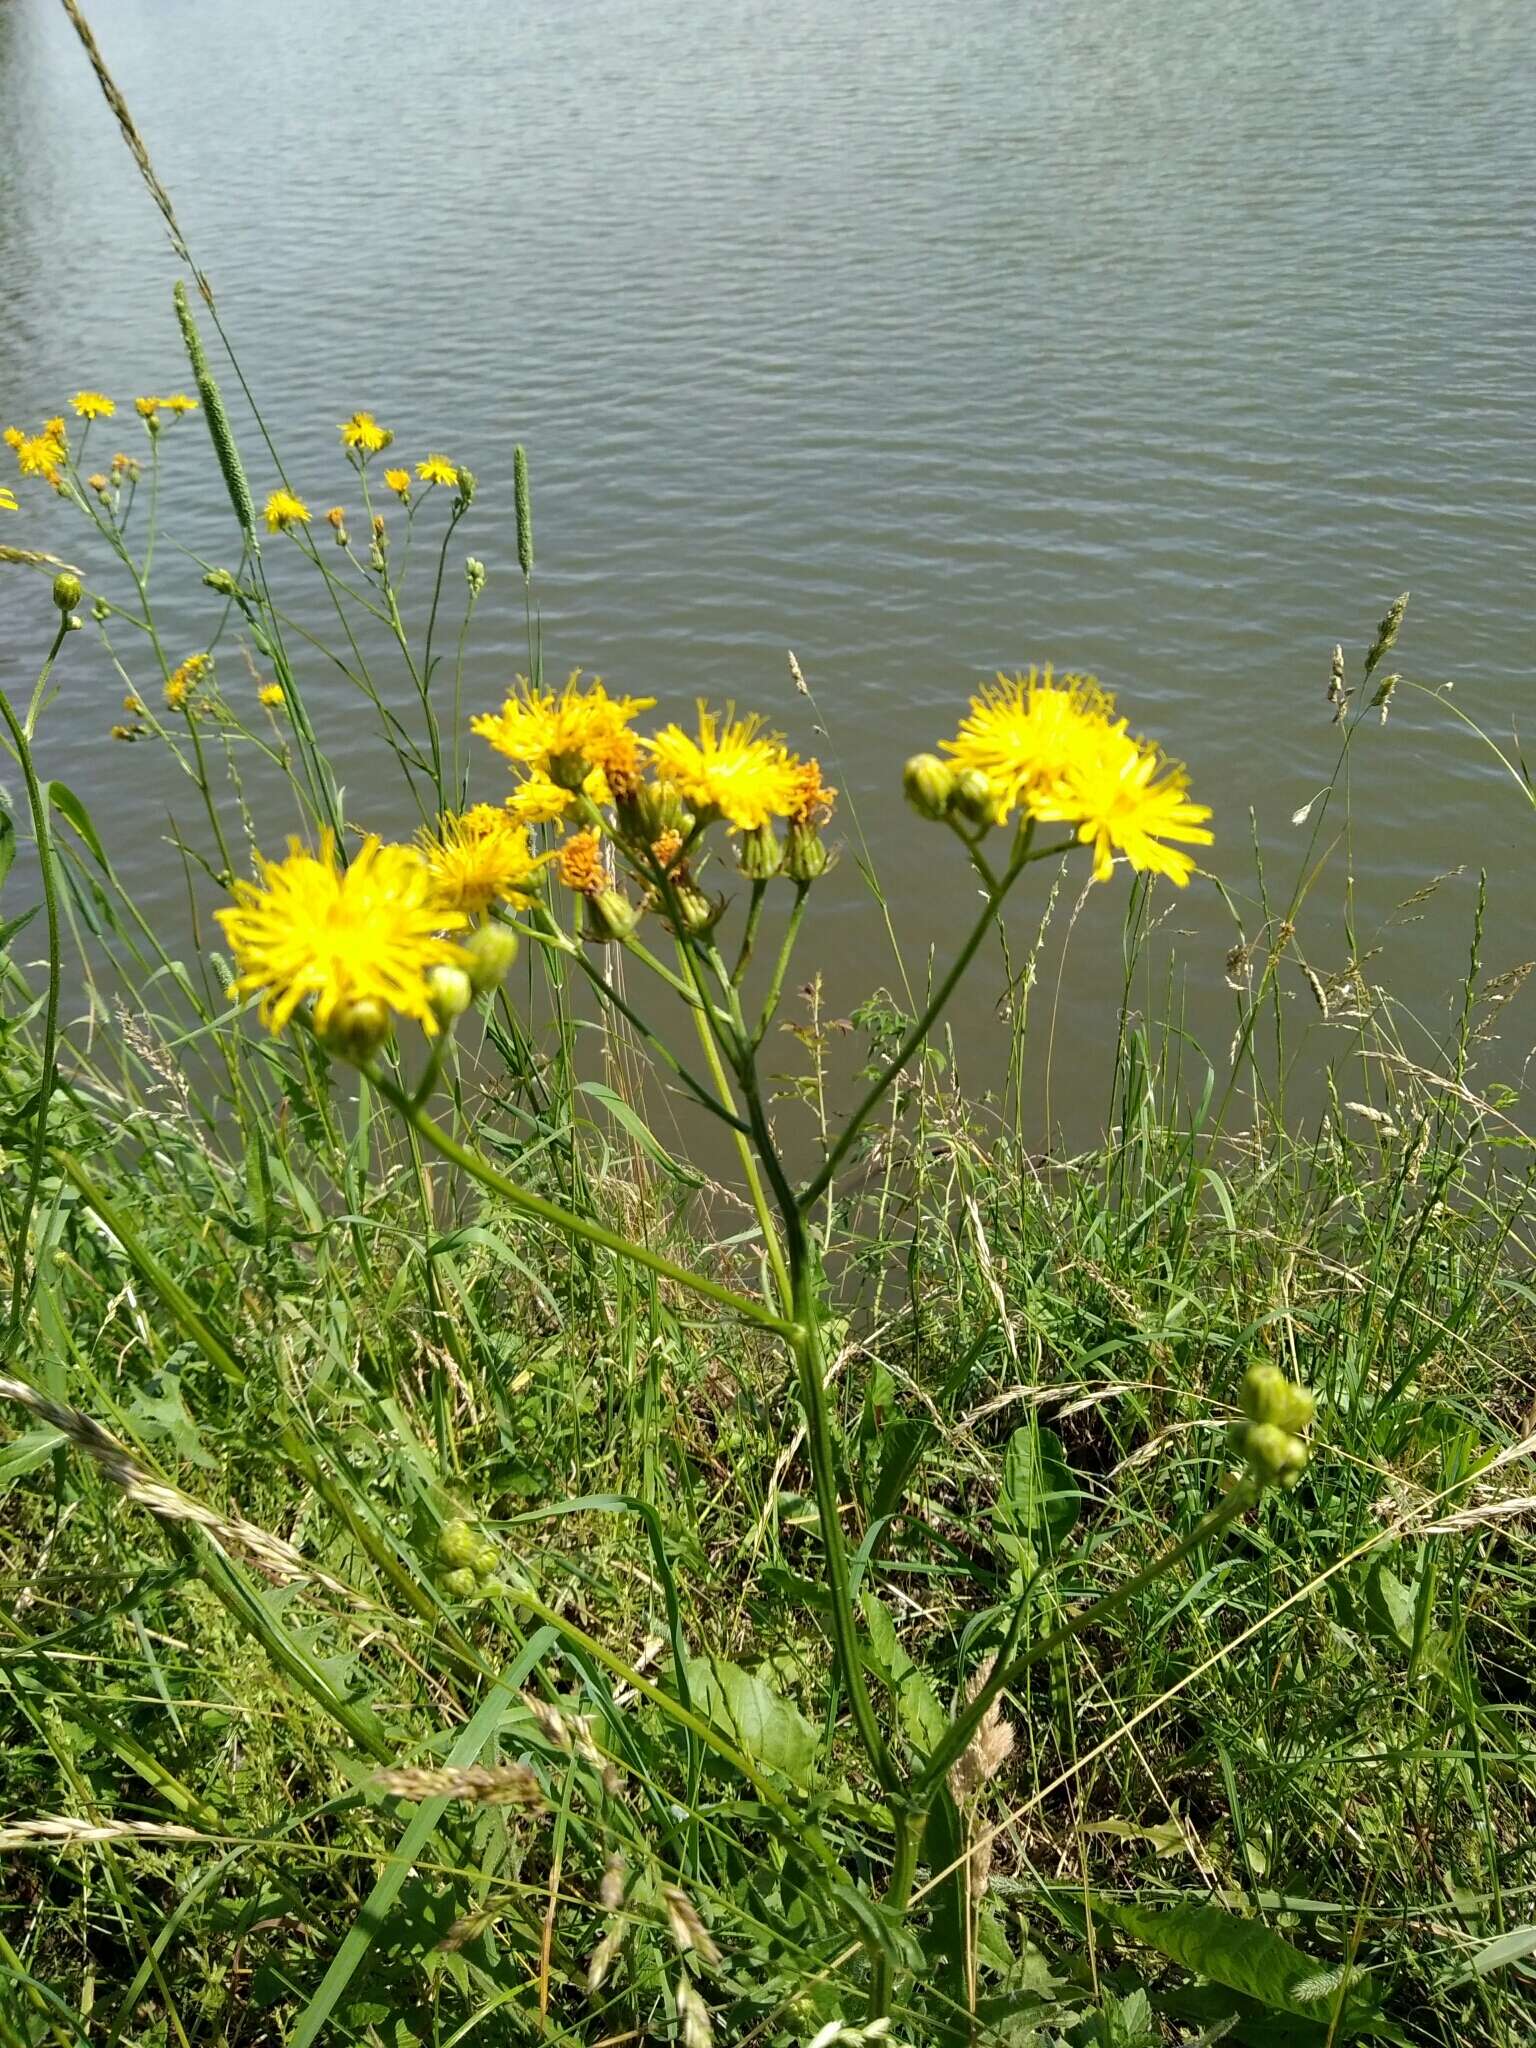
(1167, 339)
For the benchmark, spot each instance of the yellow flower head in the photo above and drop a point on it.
(480, 857)
(1124, 797)
(146, 408)
(399, 481)
(93, 405)
(336, 517)
(39, 455)
(181, 682)
(178, 402)
(733, 769)
(813, 798)
(271, 694)
(363, 431)
(437, 469)
(285, 510)
(369, 933)
(562, 734)
(538, 801)
(13, 437)
(581, 864)
(1024, 732)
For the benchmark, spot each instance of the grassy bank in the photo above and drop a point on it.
(475, 1571)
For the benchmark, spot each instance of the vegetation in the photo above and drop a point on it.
(476, 1573)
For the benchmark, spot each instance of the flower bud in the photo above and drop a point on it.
(1267, 1396)
(449, 993)
(474, 574)
(67, 590)
(491, 949)
(101, 611)
(569, 770)
(696, 912)
(485, 1559)
(467, 485)
(760, 855)
(647, 811)
(376, 559)
(222, 581)
(1274, 1457)
(806, 858)
(974, 799)
(609, 915)
(456, 1543)
(929, 784)
(358, 1029)
(460, 1584)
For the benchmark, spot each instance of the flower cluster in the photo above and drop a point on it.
(1277, 1414)
(1054, 751)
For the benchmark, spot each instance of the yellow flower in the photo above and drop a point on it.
(179, 684)
(271, 694)
(336, 517)
(1125, 797)
(538, 801)
(581, 864)
(813, 798)
(437, 469)
(93, 405)
(13, 437)
(399, 481)
(285, 510)
(363, 431)
(39, 455)
(733, 769)
(562, 735)
(146, 408)
(7, 499)
(367, 934)
(179, 402)
(55, 430)
(133, 703)
(480, 857)
(1024, 732)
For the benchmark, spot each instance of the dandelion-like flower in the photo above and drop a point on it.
(146, 408)
(581, 864)
(366, 935)
(363, 431)
(480, 857)
(181, 682)
(399, 481)
(39, 455)
(272, 696)
(538, 801)
(733, 769)
(1024, 733)
(178, 402)
(437, 469)
(1125, 797)
(813, 798)
(562, 734)
(285, 510)
(93, 405)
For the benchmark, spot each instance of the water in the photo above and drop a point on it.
(1166, 338)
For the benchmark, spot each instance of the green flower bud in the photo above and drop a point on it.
(929, 784)
(806, 858)
(358, 1029)
(101, 611)
(1267, 1396)
(467, 483)
(760, 855)
(569, 771)
(609, 915)
(450, 993)
(461, 1584)
(696, 912)
(223, 582)
(457, 1544)
(649, 810)
(376, 559)
(1274, 1457)
(67, 590)
(485, 1559)
(474, 574)
(974, 798)
(491, 949)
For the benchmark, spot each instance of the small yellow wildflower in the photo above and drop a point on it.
(56, 430)
(363, 431)
(367, 934)
(285, 510)
(181, 682)
(813, 798)
(39, 455)
(179, 402)
(13, 437)
(271, 694)
(1124, 797)
(480, 857)
(732, 770)
(538, 801)
(146, 408)
(99, 484)
(93, 405)
(581, 864)
(437, 469)
(1024, 732)
(399, 481)
(133, 704)
(562, 735)
(336, 517)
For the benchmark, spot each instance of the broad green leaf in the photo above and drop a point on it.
(1243, 1956)
(918, 1707)
(1039, 1500)
(1513, 1947)
(744, 1706)
(1390, 1605)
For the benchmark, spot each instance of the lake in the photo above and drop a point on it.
(1164, 338)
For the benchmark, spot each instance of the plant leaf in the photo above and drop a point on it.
(1243, 1956)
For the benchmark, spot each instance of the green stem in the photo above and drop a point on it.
(754, 1179)
(765, 1016)
(567, 1220)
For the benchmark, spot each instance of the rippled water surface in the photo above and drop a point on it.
(1169, 338)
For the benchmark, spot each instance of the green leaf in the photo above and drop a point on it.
(63, 799)
(621, 1113)
(918, 1707)
(1040, 1499)
(1513, 1947)
(1391, 1607)
(7, 842)
(742, 1705)
(1243, 1956)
